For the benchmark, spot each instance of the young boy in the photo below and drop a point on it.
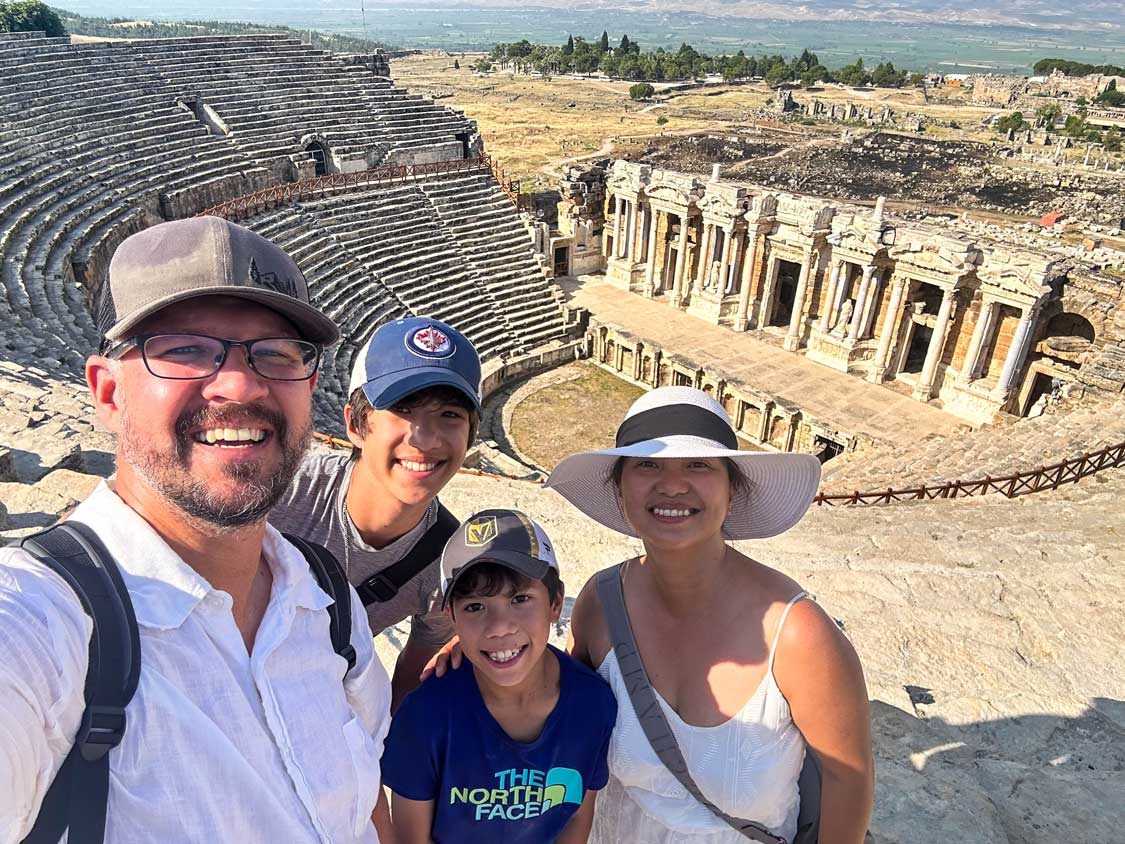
(512, 746)
(413, 411)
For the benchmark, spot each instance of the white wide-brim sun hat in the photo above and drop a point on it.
(671, 422)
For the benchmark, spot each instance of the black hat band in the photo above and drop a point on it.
(676, 420)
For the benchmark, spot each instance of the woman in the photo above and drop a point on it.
(749, 671)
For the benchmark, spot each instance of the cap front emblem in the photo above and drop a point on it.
(480, 531)
(430, 342)
(271, 281)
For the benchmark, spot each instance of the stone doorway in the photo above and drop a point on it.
(916, 351)
(1042, 384)
(319, 155)
(562, 260)
(788, 272)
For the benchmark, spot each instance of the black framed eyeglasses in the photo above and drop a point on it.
(186, 357)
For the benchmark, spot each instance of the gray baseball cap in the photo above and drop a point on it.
(507, 537)
(204, 256)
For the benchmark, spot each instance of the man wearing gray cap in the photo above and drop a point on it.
(260, 709)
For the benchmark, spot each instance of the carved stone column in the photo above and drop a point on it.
(829, 298)
(1016, 353)
(860, 302)
(765, 306)
(725, 261)
(730, 278)
(630, 230)
(871, 307)
(681, 263)
(650, 261)
(638, 254)
(971, 366)
(615, 250)
(749, 257)
(705, 250)
(890, 329)
(925, 388)
(796, 320)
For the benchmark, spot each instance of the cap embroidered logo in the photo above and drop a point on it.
(430, 342)
(271, 281)
(481, 531)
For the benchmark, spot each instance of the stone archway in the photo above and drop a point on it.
(1066, 339)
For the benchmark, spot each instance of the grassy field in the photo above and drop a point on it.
(572, 416)
(530, 124)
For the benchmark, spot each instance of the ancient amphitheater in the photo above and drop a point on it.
(920, 358)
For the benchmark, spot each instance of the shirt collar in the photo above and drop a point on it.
(164, 589)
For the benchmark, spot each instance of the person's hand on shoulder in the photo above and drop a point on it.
(446, 659)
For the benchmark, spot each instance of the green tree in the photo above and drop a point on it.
(568, 48)
(1048, 114)
(777, 74)
(30, 16)
(1111, 96)
(456, 64)
(1013, 121)
(641, 91)
(1075, 126)
(1112, 139)
(603, 44)
(484, 65)
(854, 74)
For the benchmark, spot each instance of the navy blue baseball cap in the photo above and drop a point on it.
(408, 355)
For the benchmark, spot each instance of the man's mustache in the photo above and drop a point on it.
(229, 416)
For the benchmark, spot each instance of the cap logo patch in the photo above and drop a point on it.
(480, 531)
(430, 342)
(271, 281)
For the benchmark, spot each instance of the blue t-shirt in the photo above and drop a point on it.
(444, 745)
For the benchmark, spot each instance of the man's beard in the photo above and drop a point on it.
(170, 474)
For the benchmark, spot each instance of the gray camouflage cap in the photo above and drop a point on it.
(204, 256)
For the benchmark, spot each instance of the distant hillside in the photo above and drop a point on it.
(125, 28)
(1074, 14)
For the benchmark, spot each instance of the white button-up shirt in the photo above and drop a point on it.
(221, 746)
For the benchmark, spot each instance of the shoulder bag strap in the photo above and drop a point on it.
(330, 577)
(77, 798)
(647, 707)
(383, 586)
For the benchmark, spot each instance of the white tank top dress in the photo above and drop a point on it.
(748, 766)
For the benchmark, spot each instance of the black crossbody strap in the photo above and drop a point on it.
(383, 586)
(330, 577)
(77, 798)
(647, 707)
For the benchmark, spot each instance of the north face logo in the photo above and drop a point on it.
(271, 281)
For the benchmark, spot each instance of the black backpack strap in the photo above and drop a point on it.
(76, 800)
(643, 698)
(330, 577)
(384, 585)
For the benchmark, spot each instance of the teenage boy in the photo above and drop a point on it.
(413, 411)
(512, 747)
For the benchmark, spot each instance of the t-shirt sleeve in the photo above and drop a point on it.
(599, 776)
(411, 752)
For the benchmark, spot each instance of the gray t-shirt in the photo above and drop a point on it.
(314, 507)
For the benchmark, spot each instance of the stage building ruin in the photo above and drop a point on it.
(981, 326)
